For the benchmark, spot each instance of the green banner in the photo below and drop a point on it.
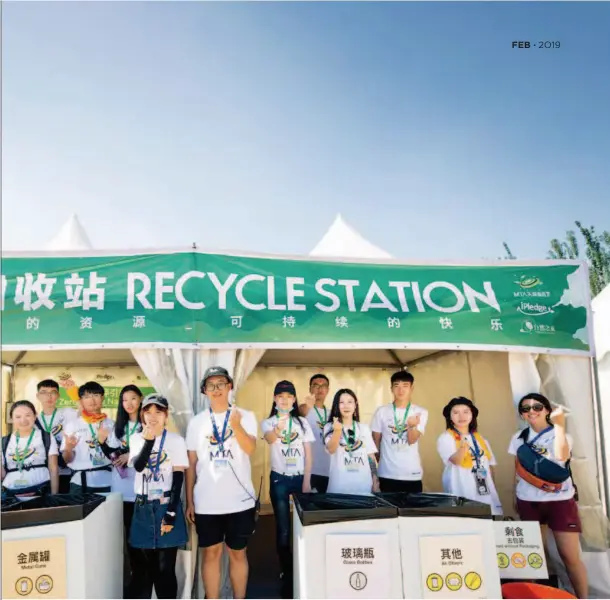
(191, 298)
(111, 397)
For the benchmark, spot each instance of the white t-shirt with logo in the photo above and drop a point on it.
(460, 481)
(88, 452)
(288, 453)
(317, 419)
(35, 455)
(62, 417)
(151, 481)
(398, 459)
(350, 472)
(224, 476)
(544, 445)
(124, 485)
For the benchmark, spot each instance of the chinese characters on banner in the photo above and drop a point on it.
(34, 568)
(452, 566)
(358, 566)
(520, 550)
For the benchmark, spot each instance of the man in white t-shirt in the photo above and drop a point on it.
(81, 447)
(221, 500)
(316, 413)
(396, 429)
(54, 420)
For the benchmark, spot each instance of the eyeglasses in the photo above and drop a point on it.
(535, 407)
(210, 387)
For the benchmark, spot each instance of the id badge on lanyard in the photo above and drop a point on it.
(479, 472)
(221, 464)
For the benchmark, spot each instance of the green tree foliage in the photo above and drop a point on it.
(596, 253)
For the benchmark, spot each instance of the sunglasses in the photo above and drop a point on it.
(535, 407)
(351, 437)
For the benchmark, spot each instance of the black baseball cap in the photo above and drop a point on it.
(156, 399)
(215, 372)
(284, 387)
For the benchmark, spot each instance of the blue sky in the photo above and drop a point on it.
(250, 125)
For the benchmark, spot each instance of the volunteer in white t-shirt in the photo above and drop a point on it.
(115, 445)
(221, 499)
(397, 428)
(158, 527)
(314, 410)
(353, 465)
(54, 420)
(81, 447)
(558, 511)
(290, 438)
(467, 456)
(29, 455)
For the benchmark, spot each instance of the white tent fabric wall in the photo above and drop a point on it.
(601, 328)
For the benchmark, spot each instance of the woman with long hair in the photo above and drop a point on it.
(29, 455)
(289, 437)
(115, 445)
(553, 505)
(467, 456)
(158, 527)
(353, 464)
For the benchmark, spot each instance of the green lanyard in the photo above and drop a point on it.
(130, 433)
(319, 415)
(349, 448)
(287, 439)
(20, 456)
(400, 427)
(94, 437)
(48, 428)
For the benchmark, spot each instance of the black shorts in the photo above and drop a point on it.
(396, 485)
(234, 529)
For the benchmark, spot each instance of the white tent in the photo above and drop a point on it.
(342, 240)
(175, 373)
(72, 236)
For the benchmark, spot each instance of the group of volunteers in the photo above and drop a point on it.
(313, 448)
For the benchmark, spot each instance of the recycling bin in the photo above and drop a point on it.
(345, 546)
(63, 546)
(447, 546)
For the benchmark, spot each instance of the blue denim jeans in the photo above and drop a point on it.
(280, 489)
(146, 527)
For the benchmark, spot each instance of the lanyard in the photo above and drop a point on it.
(549, 428)
(477, 456)
(349, 447)
(320, 416)
(48, 428)
(219, 439)
(288, 439)
(155, 469)
(94, 436)
(20, 456)
(130, 433)
(400, 427)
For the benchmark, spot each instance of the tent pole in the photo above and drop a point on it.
(396, 358)
(602, 440)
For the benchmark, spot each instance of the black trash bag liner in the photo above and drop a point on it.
(9, 503)
(50, 509)
(436, 505)
(314, 509)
